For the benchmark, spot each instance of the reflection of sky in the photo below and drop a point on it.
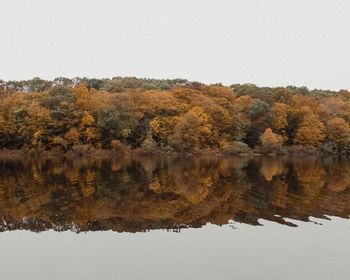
(309, 251)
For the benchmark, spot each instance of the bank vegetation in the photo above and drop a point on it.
(128, 115)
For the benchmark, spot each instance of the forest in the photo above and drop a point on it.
(127, 114)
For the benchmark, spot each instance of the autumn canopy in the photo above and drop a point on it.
(170, 116)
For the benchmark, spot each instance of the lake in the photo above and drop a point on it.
(175, 218)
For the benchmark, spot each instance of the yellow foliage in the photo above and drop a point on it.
(36, 142)
(72, 137)
(242, 103)
(87, 120)
(311, 131)
(271, 139)
(279, 111)
(162, 128)
(81, 90)
(90, 134)
(193, 130)
(338, 132)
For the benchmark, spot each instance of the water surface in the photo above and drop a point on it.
(171, 218)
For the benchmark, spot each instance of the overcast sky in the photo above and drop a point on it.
(263, 42)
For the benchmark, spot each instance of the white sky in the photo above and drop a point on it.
(298, 42)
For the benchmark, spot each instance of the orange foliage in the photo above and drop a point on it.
(311, 131)
(338, 132)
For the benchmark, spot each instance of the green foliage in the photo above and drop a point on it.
(115, 124)
(258, 109)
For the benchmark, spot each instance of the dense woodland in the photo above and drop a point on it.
(170, 116)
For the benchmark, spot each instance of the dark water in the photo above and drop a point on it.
(171, 218)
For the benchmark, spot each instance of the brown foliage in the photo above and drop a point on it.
(175, 115)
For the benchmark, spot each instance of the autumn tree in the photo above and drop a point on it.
(88, 129)
(192, 131)
(311, 131)
(338, 132)
(238, 127)
(279, 116)
(162, 129)
(271, 142)
(72, 137)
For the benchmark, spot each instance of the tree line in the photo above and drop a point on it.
(171, 116)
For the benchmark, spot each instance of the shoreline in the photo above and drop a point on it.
(21, 154)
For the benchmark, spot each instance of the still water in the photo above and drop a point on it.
(175, 218)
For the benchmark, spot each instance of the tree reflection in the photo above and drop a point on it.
(137, 194)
